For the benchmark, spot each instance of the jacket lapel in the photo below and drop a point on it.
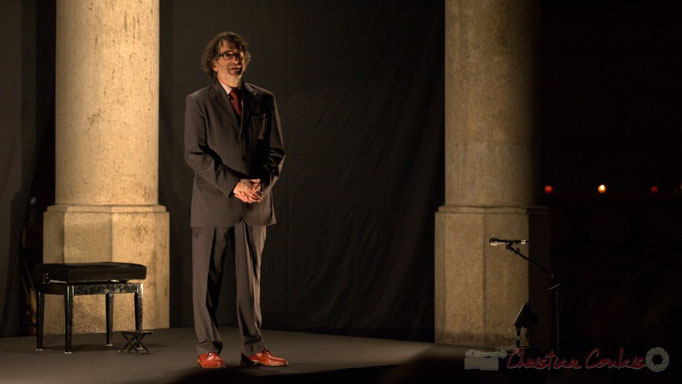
(220, 98)
(248, 97)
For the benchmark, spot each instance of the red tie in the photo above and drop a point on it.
(234, 99)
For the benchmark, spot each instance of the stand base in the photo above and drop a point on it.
(134, 341)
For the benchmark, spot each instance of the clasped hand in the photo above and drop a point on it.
(248, 191)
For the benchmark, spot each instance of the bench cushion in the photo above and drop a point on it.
(89, 272)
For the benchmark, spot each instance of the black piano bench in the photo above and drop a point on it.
(71, 279)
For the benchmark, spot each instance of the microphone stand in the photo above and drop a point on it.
(555, 287)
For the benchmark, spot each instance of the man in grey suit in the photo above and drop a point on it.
(233, 143)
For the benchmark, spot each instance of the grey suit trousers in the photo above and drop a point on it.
(209, 249)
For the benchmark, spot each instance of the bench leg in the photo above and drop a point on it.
(110, 314)
(39, 319)
(138, 307)
(68, 318)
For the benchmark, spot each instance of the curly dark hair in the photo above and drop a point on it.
(213, 49)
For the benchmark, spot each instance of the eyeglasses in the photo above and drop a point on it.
(229, 55)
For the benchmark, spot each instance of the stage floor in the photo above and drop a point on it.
(313, 358)
(173, 357)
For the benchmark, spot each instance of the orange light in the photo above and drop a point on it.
(654, 189)
(548, 189)
(602, 188)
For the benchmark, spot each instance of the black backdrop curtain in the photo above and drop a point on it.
(359, 87)
(14, 164)
(26, 149)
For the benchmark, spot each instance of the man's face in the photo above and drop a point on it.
(229, 66)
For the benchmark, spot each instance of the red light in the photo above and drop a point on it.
(548, 189)
(654, 189)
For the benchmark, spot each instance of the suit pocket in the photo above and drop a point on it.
(258, 125)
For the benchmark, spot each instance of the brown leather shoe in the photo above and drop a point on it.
(267, 359)
(210, 360)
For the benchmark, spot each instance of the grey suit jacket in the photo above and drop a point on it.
(221, 150)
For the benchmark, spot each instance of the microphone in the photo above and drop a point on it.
(495, 242)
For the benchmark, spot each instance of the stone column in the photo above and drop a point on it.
(490, 178)
(106, 205)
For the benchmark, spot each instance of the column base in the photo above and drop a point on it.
(126, 234)
(479, 289)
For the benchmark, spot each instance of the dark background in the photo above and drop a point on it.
(360, 92)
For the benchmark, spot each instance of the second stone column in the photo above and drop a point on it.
(489, 133)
